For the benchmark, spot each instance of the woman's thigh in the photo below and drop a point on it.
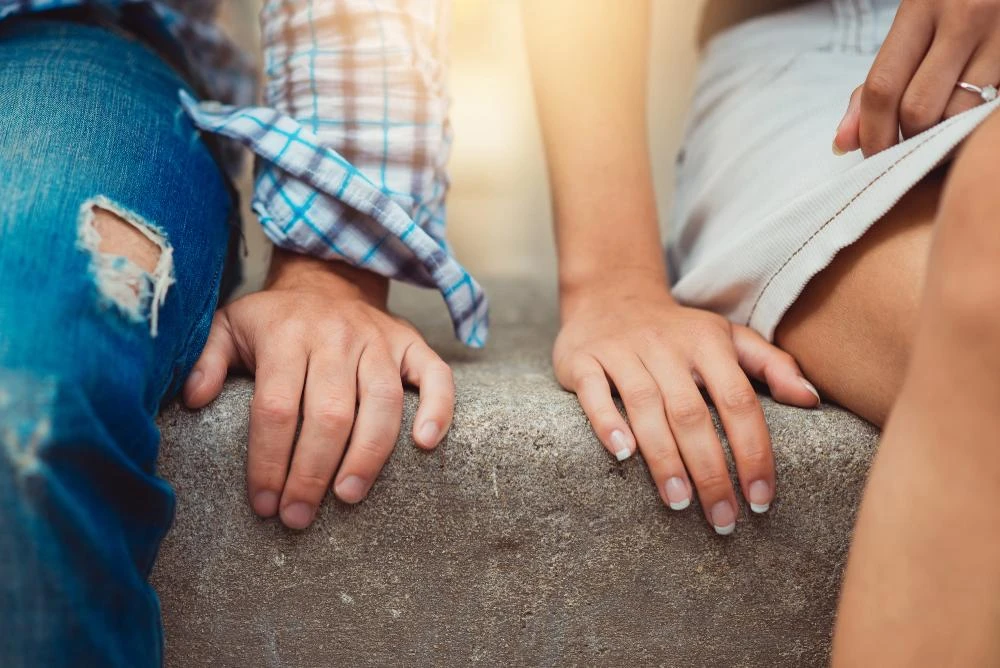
(113, 233)
(852, 327)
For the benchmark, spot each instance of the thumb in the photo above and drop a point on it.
(848, 137)
(209, 373)
(769, 364)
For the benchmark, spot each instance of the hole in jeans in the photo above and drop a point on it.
(131, 261)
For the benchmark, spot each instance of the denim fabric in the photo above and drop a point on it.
(87, 115)
(352, 144)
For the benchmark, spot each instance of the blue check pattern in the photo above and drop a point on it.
(353, 138)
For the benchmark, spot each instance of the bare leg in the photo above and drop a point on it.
(923, 579)
(852, 329)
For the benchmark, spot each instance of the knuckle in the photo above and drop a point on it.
(642, 395)
(582, 375)
(879, 91)
(872, 145)
(274, 409)
(441, 368)
(339, 333)
(714, 331)
(385, 391)
(915, 113)
(712, 482)
(756, 459)
(370, 449)
(333, 417)
(720, 323)
(268, 473)
(653, 335)
(308, 482)
(741, 400)
(607, 420)
(291, 328)
(687, 412)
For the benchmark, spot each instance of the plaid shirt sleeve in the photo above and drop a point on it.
(353, 140)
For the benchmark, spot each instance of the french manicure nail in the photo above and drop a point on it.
(351, 489)
(265, 503)
(622, 445)
(677, 493)
(723, 518)
(297, 515)
(759, 495)
(812, 388)
(428, 433)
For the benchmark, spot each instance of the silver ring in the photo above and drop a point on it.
(988, 93)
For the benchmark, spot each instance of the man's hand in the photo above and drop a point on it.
(659, 355)
(322, 345)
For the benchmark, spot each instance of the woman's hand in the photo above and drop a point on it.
(320, 343)
(933, 44)
(658, 354)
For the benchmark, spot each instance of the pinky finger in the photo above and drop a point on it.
(423, 368)
(769, 364)
(594, 393)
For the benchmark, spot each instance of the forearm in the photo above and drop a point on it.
(366, 80)
(589, 64)
(352, 142)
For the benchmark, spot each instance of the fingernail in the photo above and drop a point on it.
(265, 504)
(622, 445)
(297, 515)
(677, 494)
(812, 388)
(760, 496)
(351, 489)
(194, 380)
(837, 151)
(723, 518)
(428, 433)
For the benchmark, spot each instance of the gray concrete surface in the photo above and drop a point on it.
(519, 541)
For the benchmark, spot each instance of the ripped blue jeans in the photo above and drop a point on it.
(94, 146)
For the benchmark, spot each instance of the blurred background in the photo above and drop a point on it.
(499, 218)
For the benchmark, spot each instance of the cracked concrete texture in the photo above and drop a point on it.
(519, 541)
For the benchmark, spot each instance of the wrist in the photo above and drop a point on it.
(597, 250)
(603, 273)
(613, 283)
(294, 271)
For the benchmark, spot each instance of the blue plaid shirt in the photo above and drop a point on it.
(352, 139)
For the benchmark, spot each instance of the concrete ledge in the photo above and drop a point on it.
(519, 541)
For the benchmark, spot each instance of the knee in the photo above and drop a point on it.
(963, 286)
(124, 238)
(960, 318)
(131, 261)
